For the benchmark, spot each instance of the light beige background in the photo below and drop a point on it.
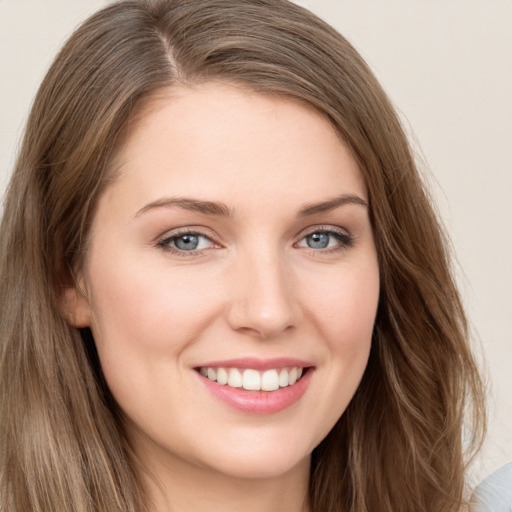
(447, 65)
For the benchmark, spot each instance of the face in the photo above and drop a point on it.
(231, 281)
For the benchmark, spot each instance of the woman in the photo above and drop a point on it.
(224, 281)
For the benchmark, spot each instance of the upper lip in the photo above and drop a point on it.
(258, 364)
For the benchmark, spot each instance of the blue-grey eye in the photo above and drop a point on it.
(187, 242)
(325, 240)
(318, 240)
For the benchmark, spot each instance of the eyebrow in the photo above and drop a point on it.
(222, 210)
(194, 205)
(331, 204)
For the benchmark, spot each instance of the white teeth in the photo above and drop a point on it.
(253, 380)
(269, 380)
(235, 378)
(222, 376)
(212, 374)
(283, 378)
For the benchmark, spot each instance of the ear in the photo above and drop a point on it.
(75, 306)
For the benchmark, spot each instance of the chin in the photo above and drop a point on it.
(260, 460)
(261, 467)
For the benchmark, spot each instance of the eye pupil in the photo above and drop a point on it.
(317, 240)
(187, 242)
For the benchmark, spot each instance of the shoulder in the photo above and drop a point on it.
(494, 494)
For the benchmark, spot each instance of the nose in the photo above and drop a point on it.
(263, 303)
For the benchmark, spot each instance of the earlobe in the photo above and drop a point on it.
(75, 307)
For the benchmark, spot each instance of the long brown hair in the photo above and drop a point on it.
(398, 447)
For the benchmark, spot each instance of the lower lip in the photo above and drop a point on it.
(259, 402)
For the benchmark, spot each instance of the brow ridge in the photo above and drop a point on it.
(194, 205)
(222, 210)
(331, 204)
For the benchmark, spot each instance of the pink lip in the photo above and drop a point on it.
(258, 364)
(258, 402)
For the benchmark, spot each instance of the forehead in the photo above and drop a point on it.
(204, 138)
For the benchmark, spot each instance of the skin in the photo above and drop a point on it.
(253, 288)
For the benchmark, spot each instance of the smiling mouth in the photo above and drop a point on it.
(253, 380)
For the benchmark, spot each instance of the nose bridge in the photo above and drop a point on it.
(263, 301)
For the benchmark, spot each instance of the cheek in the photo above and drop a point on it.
(146, 306)
(144, 318)
(143, 323)
(344, 306)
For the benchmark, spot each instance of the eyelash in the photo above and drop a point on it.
(345, 241)
(165, 243)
